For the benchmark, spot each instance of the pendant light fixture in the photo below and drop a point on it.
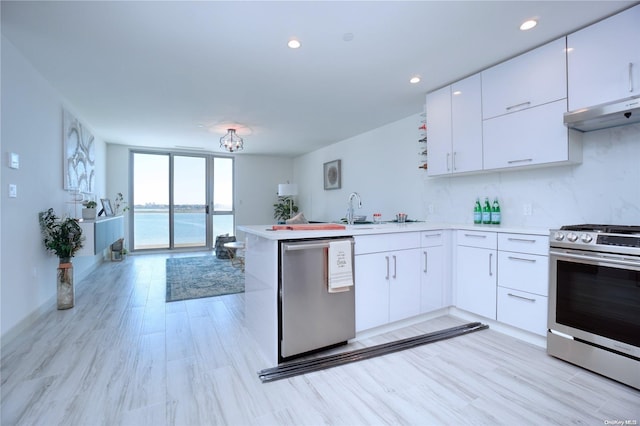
(231, 141)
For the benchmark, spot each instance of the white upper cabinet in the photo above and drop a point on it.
(454, 128)
(523, 101)
(532, 137)
(439, 131)
(534, 78)
(604, 61)
(466, 124)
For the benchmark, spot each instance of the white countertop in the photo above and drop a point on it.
(265, 231)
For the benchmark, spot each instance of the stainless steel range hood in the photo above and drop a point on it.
(612, 114)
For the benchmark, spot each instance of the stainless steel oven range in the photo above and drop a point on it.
(594, 299)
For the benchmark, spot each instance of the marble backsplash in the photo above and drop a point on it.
(604, 188)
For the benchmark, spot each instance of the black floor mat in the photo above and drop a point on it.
(295, 368)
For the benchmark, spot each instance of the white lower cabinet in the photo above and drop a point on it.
(434, 292)
(497, 275)
(372, 291)
(523, 310)
(523, 281)
(476, 270)
(387, 282)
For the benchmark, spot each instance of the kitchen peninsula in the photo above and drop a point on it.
(403, 272)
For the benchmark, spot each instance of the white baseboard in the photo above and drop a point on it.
(46, 307)
(500, 327)
(517, 333)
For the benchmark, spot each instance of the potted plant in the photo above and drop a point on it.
(62, 237)
(284, 208)
(89, 210)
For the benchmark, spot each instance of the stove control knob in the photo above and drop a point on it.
(572, 237)
(586, 238)
(558, 236)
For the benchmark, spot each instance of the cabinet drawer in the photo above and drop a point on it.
(432, 238)
(479, 239)
(524, 243)
(387, 242)
(526, 272)
(523, 310)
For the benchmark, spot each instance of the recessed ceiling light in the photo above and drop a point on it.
(347, 37)
(414, 80)
(527, 25)
(457, 92)
(293, 43)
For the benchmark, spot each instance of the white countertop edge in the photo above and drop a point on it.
(265, 231)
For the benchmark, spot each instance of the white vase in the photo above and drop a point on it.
(66, 293)
(89, 213)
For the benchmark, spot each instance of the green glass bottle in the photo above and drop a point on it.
(477, 212)
(486, 211)
(496, 217)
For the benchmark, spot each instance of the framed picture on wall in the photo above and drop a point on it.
(332, 175)
(79, 155)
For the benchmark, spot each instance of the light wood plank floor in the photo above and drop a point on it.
(123, 356)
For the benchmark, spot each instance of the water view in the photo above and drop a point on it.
(151, 228)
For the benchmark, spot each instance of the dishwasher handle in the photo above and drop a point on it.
(310, 246)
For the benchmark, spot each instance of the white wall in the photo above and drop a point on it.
(32, 128)
(257, 178)
(382, 166)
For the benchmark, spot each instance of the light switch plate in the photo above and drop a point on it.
(14, 160)
(13, 190)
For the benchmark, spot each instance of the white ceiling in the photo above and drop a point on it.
(167, 74)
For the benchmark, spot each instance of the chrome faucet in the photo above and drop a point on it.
(350, 211)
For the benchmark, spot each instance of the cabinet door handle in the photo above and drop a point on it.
(448, 156)
(521, 297)
(454, 160)
(387, 259)
(630, 76)
(521, 240)
(509, 108)
(475, 235)
(524, 160)
(490, 262)
(522, 259)
(425, 262)
(395, 267)
(432, 235)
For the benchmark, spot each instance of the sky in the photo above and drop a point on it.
(151, 180)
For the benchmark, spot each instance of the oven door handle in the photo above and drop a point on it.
(601, 258)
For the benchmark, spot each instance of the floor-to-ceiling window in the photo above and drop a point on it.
(180, 200)
(189, 201)
(222, 219)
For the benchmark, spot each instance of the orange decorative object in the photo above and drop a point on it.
(309, 227)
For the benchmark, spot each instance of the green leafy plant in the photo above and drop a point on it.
(282, 210)
(90, 204)
(120, 202)
(62, 237)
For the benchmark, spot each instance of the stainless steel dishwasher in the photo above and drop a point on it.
(311, 318)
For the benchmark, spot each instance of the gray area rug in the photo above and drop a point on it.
(202, 276)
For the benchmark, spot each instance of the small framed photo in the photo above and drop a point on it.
(332, 175)
(106, 207)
